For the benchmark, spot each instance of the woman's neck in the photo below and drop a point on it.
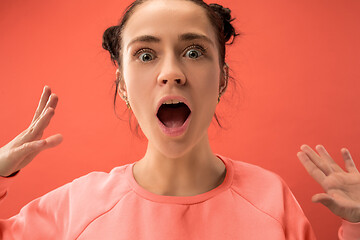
(195, 172)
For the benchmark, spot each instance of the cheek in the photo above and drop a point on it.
(136, 78)
(206, 80)
(140, 87)
(205, 83)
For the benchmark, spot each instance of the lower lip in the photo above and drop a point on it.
(174, 132)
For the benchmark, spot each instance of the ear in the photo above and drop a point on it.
(122, 86)
(224, 80)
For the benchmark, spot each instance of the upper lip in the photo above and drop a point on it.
(172, 97)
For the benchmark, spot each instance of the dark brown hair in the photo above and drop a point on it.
(219, 17)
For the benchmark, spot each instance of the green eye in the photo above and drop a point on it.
(193, 53)
(145, 57)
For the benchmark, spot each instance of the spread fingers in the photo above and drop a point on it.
(311, 168)
(320, 162)
(43, 100)
(37, 128)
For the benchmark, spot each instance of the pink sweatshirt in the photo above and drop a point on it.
(251, 203)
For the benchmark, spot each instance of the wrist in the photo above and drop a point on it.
(11, 175)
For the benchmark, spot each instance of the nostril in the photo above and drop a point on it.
(178, 81)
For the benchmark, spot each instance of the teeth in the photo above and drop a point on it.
(172, 102)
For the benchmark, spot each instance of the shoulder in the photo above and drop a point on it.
(93, 193)
(92, 186)
(248, 176)
(263, 189)
(99, 182)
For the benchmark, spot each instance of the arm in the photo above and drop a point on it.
(43, 218)
(349, 231)
(39, 215)
(295, 223)
(5, 182)
(342, 188)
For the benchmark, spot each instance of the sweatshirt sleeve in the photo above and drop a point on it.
(349, 231)
(295, 223)
(268, 192)
(42, 218)
(5, 182)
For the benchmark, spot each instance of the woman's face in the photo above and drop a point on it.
(179, 56)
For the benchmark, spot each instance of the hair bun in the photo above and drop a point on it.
(225, 15)
(111, 42)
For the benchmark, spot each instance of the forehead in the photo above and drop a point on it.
(167, 18)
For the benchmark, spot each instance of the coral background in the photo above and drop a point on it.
(296, 66)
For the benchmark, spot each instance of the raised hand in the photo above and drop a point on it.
(23, 148)
(342, 188)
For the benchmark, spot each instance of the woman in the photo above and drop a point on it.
(171, 73)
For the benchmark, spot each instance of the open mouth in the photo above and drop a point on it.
(173, 115)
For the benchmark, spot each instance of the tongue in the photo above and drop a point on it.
(173, 115)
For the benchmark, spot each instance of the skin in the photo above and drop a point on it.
(184, 165)
(23, 148)
(342, 187)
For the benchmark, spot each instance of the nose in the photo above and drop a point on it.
(171, 72)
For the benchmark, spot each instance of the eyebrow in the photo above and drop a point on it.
(182, 37)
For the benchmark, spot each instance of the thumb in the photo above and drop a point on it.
(324, 199)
